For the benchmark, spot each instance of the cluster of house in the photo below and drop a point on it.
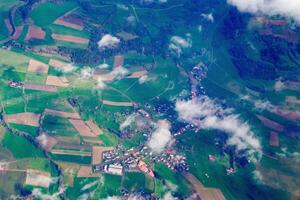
(120, 159)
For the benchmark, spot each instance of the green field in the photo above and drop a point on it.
(135, 181)
(20, 147)
(68, 31)
(56, 10)
(111, 187)
(36, 78)
(79, 183)
(33, 131)
(236, 186)
(14, 61)
(58, 126)
(72, 158)
(109, 139)
(166, 174)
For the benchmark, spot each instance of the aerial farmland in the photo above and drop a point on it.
(148, 99)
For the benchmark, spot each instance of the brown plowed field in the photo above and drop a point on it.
(94, 127)
(82, 128)
(35, 33)
(37, 67)
(57, 81)
(26, 118)
(70, 38)
(65, 23)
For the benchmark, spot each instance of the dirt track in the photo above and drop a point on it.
(113, 103)
(62, 114)
(70, 38)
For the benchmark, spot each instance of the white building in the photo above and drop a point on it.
(114, 169)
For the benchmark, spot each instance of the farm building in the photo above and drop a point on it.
(114, 169)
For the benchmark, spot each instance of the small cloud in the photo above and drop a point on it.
(119, 72)
(103, 66)
(130, 19)
(279, 85)
(38, 193)
(143, 79)
(258, 177)
(178, 44)
(207, 114)
(108, 42)
(263, 105)
(112, 198)
(169, 196)
(161, 137)
(154, 1)
(86, 73)
(200, 28)
(100, 84)
(209, 17)
(128, 121)
(43, 140)
(68, 68)
(89, 185)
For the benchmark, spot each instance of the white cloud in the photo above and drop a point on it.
(279, 85)
(200, 28)
(161, 137)
(207, 114)
(119, 72)
(43, 140)
(262, 105)
(108, 41)
(112, 198)
(84, 197)
(68, 68)
(209, 17)
(37, 192)
(89, 185)
(100, 84)
(86, 73)
(143, 79)
(103, 66)
(169, 196)
(116, 74)
(178, 44)
(151, 1)
(258, 177)
(286, 8)
(128, 121)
